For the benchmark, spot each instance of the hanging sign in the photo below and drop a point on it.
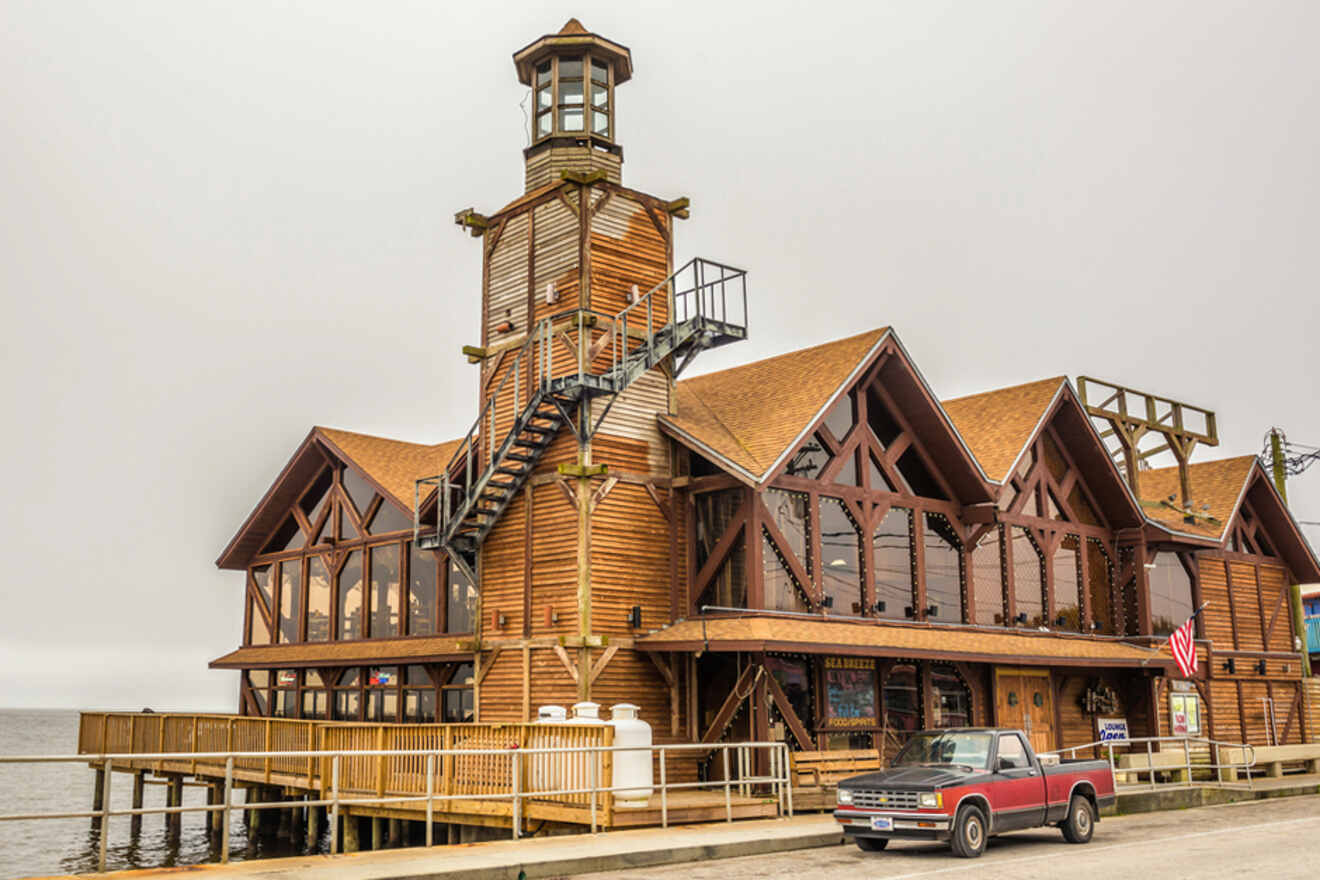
(287, 678)
(380, 678)
(1112, 729)
(850, 692)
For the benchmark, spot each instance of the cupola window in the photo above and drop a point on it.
(571, 116)
(569, 92)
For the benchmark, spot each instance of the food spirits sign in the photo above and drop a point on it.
(850, 692)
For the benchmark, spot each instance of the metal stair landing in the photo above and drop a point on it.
(709, 309)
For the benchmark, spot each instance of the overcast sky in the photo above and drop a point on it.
(223, 223)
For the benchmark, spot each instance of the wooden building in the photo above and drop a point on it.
(812, 547)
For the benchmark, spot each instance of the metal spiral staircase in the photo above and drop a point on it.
(709, 309)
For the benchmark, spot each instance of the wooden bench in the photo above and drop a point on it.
(822, 769)
(1274, 757)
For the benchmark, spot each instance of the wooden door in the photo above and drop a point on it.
(1024, 700)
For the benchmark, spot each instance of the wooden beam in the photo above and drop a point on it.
(567, 662)
(786, 711)
(479, 674)
(599, 666)
(731, 703)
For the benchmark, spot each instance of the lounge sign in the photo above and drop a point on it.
(850, 692)
(1112, 729)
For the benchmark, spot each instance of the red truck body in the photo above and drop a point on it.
(1003, 786)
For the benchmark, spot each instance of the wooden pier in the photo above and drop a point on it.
(471, 790)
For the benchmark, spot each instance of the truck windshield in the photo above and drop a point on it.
(938, 749)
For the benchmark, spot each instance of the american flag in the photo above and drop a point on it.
(1183, 645)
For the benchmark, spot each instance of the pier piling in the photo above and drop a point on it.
(377, 833)
(396, 833)
(174, 821)
(313, 827)
(351, 841)
(98, 796)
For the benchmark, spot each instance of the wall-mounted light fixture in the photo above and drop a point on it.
(1230, 666)
(635, 617)
(826, 601)
(880, 607)
(909, 611)
(1022, 617)
(1260, 667)
(933, 611)
(551, 615)
(551, 294)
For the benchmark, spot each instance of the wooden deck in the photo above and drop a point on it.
(469, 790)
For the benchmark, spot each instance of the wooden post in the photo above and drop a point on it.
(217, 818)
(174, 821)
(98, 793)
(351, 841)
(607, 777)
(267, 749)
(377, 832)
(395, 833)
(139, 784)
(380, 765)
(313, 826)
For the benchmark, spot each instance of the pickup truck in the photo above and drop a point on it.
(966, 785)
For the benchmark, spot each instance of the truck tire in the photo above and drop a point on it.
(969, 833)
(872, 844)
(1080, 823)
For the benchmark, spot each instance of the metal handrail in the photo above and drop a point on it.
(778, 777)
(1216, 746)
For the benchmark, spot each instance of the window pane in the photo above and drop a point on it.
(600, 123)
(879, 482)
(570, 119)
(543, 73)
(1082, 508)
(570, 68)
(421, 592)
(570, 94)
(458, 705)
(314, 704)
(1170, 594)
(891, 556)
(261, 575)
(840, 555)
(809, 461)
(987, 580)
(916, 475)
(728, 589)
(1067, 586)
(419, 706)
(600, 96)
(346, 528)
(1028, 580)
(350, 597)
(943, 570)
(258, 631)
(316, 497)
(1127, 613)
(318, 601)
(543, 124)
(358, 489)
(840, 418)
(600, 72)
(384, 591)
(461, 602)
(287, 537)
(713, 511)
(902, 700)
(883, 424)
(390, 519)
(789, 512)
(952, 706)
(793, 675)
(782, 591)
(543, 99)
(1098, 576)
(290, 599)
(347, 705)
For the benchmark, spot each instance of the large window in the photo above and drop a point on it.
(384, 591)
(461, 602)
(951, 705)
(1067, 585)
(423, 585)
(943, 570)
(1170, 593)
(1099, 576)
(901, 698)
(789, 512)
(290, 599)
(318, 600)
(350, 597)
(564, 89)
(1028, 579)
(891, 559)
(988, 580)
(841, 558)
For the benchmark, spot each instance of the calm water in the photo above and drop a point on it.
(61, 846)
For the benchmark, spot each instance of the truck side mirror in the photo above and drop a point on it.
(1003, 764)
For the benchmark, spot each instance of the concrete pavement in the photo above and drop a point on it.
(1275, 838)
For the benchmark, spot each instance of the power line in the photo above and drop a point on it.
(1297, 457)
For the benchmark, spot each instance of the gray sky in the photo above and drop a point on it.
(222, 223)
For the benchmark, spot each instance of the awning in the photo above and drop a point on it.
(812, 635)
(375, 652)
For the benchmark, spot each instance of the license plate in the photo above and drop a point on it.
(882, 823)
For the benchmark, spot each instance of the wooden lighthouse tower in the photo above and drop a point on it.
(559, 502)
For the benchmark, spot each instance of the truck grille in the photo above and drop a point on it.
(885, 799)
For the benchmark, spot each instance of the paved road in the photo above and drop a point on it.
(1259, 839)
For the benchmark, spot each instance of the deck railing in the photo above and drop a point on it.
(517, 774)
(1178, 758)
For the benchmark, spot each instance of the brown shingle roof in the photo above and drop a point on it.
(1218, 483)
(406, 650)
(394, 465)
(752, 414)
(835, 636)
(998, 424)
(573, 26)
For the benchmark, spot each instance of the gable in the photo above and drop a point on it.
(998, 425)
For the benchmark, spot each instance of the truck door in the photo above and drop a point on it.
(1018, 788)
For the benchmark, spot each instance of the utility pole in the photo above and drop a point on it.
(1294, 590)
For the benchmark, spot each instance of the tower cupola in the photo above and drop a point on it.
(572, 75)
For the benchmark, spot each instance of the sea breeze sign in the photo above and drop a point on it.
(850, 692)
(1112, 729)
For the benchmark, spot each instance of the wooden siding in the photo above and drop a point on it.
(633, 417)
(627, 249)
(502, 565)
(506, 287)
(629, 560)
(1274, 601)
(1225, 719)
(1217, 618)
(555, 248)
(546, 165)
(1246, 606)
(554, 562)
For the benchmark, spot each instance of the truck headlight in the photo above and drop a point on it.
(845, 796)
(930, 800)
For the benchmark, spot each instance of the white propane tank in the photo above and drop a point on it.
(583, 770)
(632, 770)
(544, 772)
(587, 712)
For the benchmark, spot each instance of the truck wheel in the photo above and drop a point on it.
(1080, 824)
(872, 844)
(969, 833)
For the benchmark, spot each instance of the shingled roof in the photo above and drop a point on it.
(997, 425)
(1220, 484)
(752, 414)
(393, 465)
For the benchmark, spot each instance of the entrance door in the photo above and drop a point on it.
(1023, 699)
